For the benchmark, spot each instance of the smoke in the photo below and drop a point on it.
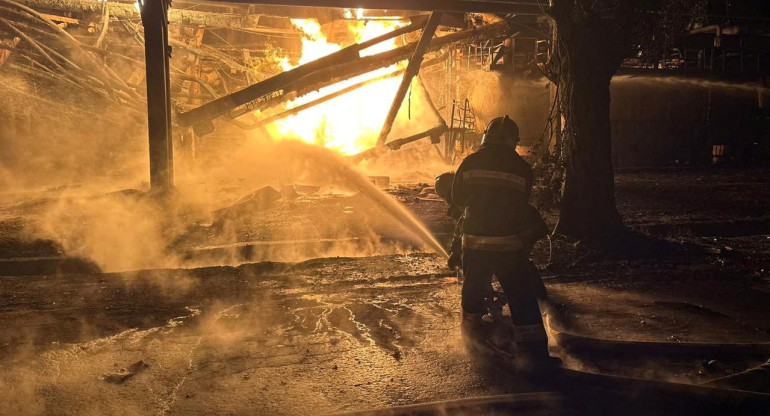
(117, 231)
(18, 394)
(53, 136)
(62, 152)
(413, 163)
(79, 179)
(132, 229)
(315, 164)
(692, 82)
(87, 165)
(494, 94)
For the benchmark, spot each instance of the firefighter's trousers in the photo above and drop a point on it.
(512, 270)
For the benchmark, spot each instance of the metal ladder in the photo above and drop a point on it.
(463, 121)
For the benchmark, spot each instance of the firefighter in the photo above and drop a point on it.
(492, 186)
(443, 188)
(494, 300)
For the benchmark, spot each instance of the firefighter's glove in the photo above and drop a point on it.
(454, 261)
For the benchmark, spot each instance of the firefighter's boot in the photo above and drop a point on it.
(532, 349)
(485, 335)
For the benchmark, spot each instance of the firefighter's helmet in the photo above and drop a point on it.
(443, 185)
(501, 130)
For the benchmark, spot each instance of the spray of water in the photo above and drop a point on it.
(398, 212)
(336, 166)
(696, 82)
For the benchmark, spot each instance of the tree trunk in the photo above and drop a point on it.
(590, 56)
(588, 195)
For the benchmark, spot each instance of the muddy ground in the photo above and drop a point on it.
(352, 333)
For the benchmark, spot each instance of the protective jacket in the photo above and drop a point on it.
(492, 186)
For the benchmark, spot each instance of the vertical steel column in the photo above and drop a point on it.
(412, 68)
(156, 54)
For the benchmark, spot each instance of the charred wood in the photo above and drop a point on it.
(329, 97)
(342, 72)
(88, 61)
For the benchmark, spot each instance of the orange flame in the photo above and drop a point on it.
(351, 122)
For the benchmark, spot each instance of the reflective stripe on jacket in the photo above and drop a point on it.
(502, 243)
(492, 186)
(496, 178)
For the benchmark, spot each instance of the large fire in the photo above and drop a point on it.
(351, 122)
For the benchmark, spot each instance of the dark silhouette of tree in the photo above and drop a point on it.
(593, 38)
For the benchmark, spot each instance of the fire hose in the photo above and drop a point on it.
(575, 343)
(585, 391)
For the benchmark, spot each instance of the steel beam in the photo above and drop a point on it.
(518, 7)
(156, 53)
(325, 98)
(434, 132)
(411, 70)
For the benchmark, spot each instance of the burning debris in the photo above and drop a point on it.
(364, 71)
(343, 123)
(339, 92)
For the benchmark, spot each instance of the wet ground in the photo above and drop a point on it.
(343, 333)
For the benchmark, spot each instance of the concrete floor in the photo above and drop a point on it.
(321, 336)
(317, 337)
(345, 334)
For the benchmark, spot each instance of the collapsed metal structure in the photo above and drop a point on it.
(334, 68)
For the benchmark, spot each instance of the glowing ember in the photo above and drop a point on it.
(350, 123)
